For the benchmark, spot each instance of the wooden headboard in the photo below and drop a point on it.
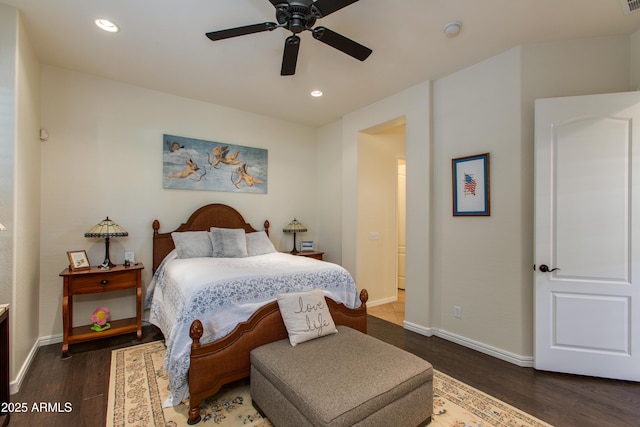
(213, 215)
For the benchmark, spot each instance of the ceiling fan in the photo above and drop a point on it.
(297, 16)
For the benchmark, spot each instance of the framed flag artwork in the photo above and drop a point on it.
(471, 185)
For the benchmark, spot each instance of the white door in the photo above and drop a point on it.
(587, 231)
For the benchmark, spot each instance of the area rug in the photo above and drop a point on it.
(138, 386)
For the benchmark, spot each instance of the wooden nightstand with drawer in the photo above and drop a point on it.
(311, 254)
(96, 280)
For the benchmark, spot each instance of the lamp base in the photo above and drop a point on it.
(294, 251)
(106, 264)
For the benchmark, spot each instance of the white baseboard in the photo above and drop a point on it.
(516, 359)
(381, 301)
(522, 361)
(51, 339)
(418, 328)
(14, 386)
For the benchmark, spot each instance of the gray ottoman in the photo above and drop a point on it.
(345, 379)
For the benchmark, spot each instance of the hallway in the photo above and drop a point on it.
(391, 312)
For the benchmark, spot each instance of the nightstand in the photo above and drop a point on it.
(311, 254)
(96, 280)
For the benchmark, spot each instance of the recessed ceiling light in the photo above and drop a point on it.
(452, 28)
(107, 25)
(316, 93)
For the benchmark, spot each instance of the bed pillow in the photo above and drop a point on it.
(228, 242)
(306, 315)
(258, 243)
(192, 244)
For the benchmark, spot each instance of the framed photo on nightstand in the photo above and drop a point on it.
(78, 260)
(129, 258)
(306, 245)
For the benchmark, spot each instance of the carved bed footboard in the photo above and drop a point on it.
(227, 359)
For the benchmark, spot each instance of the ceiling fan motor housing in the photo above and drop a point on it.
(296, 16)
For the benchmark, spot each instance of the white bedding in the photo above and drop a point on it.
(221, 292)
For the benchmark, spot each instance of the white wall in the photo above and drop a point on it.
(19, 184)
(329, 182)
(104, 157)
(635, 61)
(8, 44)
(479, 259)
(484, 264)
(24, 321)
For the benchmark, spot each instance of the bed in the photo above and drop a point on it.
(228, 307)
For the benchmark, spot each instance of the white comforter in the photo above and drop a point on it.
(221, 292)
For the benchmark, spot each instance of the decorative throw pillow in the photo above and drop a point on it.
(192, 244)
(306, 315)
(228, 242)
(258, 243)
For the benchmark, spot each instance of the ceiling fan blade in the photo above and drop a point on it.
(341, 43)
(276, 3)
(241, 31)
(290, 57)
(322, 8)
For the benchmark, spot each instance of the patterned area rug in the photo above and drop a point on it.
(138, 386)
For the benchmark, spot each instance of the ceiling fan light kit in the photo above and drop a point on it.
(298, 16)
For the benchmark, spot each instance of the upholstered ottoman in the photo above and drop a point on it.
(344, 379)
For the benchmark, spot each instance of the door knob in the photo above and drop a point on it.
(545, 269)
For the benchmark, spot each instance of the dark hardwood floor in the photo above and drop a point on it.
(561, 400)
(558, 399)
(82, 380)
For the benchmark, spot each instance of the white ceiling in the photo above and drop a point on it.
(162, 46)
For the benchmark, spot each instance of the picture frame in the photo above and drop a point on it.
(129, 258)
(306, 246)
(78, 260)
(197, 164)
(471, 178)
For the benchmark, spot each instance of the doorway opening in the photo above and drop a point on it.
(381, 248)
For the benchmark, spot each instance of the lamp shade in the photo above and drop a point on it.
(295, 226)
(106, 229)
